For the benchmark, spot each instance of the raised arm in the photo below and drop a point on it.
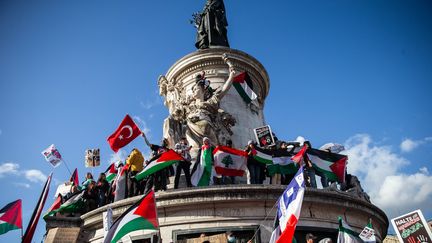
(229, 81)
(145, 139)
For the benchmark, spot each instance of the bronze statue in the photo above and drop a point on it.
(211, 25)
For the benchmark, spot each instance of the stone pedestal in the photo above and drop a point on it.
(180, 79)
(243, 209)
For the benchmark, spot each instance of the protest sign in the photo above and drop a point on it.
(264, 136)
(92, 158)
(52, 155)
(412, 228)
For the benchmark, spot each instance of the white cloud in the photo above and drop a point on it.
(8, 168)
(19, 184)
(148, 104)
(408, 145)
(142, 125)
(121, 155)
(35, 176)
(381, 172)
(14, 169)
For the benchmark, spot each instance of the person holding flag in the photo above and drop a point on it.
(183, 148)
(158, 179)
(203, 167)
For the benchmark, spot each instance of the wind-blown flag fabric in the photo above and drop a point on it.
(329, 164)
(28, 235)
(263, 156)
(74, 178)
(229, 161)
(52, 155)
(140, 216)
(243, 84)
(74, 204)
(289, 207)
(111, 173)
(159, 162)
(124, 134)
(298, 157)
(54, 206)
(282, 163)
(202, 175)
(346, 234)
(11, 217)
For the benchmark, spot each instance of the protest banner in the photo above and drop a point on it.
(264, 136)
(52, 155)
(412, 228)
(92, 157)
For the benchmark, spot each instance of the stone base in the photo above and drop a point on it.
(243, 209)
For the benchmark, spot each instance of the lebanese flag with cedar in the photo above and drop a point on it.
(11, 217)
(229, 161)
(125, 133)
(159, 162)
(332, 165)
(140, 216)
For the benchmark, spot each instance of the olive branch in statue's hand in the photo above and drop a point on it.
(229, 62)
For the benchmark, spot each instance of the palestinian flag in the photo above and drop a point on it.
(11, 217)
(74, 177)
(243, 84)
(202, 175)
(263, 156)
(159, 162)
(328, 164)
(299, 156)
(229, 161)
(74, 204)
(55, 205)
(282, 163)
(346, 234)
(111, 173)
(140, 216)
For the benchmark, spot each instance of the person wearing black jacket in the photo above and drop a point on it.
(102, 187)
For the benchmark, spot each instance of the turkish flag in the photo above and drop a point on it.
(125, 133)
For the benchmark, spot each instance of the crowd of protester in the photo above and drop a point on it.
(101, 192)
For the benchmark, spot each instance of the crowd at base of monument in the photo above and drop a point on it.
(137, 175)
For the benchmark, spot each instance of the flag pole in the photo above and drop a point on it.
(67, 167)
(271, 210)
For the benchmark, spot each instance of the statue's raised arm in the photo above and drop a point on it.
(228, 83)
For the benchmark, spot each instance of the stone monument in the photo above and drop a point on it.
(198, 94)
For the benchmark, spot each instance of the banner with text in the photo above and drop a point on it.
(264, 136)
(412, 228)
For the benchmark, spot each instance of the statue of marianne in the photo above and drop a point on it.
(211, 25)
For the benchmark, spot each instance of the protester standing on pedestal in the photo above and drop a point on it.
(159, 178)
(252, 164)
(135, 161)
(183, 149)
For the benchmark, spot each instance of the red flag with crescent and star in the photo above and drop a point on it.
(125, 133)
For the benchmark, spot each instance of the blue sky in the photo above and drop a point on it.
(352, 72)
